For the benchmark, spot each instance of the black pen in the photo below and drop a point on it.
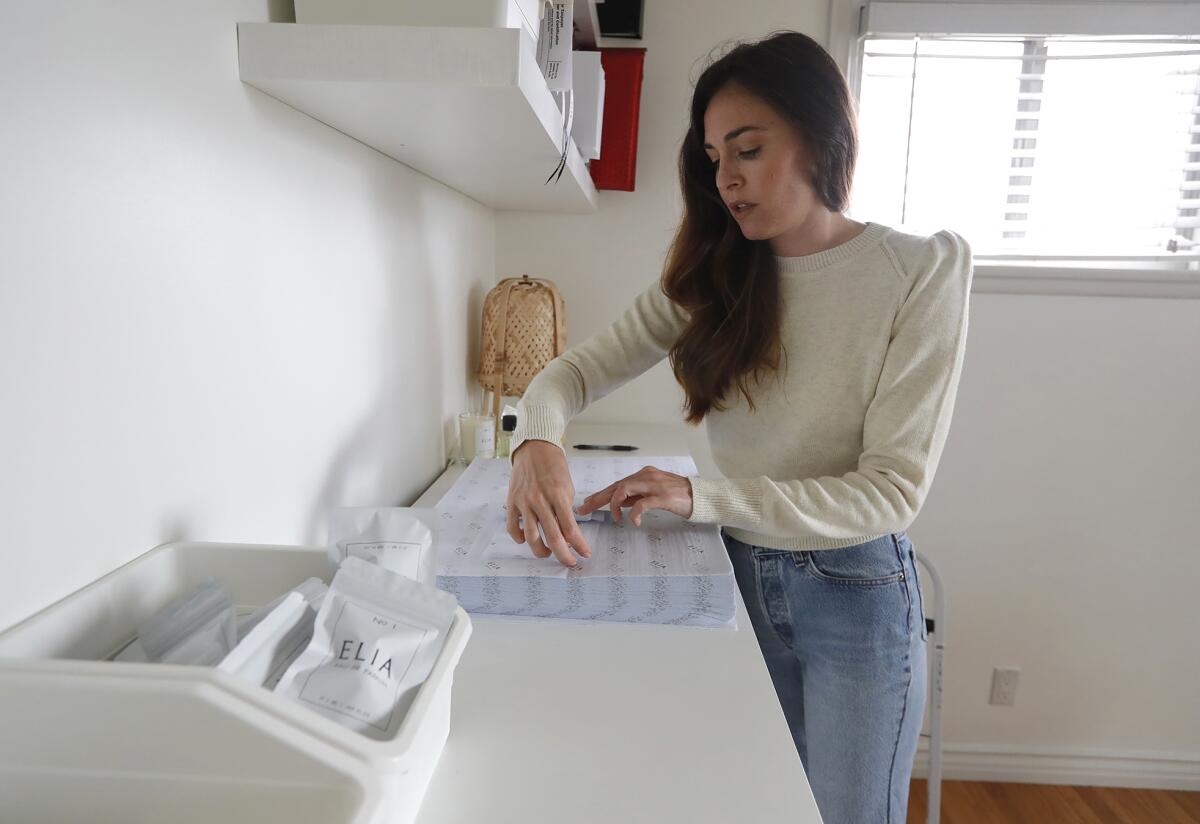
(619, 447)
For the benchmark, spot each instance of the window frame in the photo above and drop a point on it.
(1008, 274)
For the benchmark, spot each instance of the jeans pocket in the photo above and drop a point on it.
(921, 604)
(874, 563)
(906, 546)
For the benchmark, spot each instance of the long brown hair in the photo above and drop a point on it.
(730, 285)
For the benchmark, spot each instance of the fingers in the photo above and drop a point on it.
(626, 491)
(540, 497)
(644, 503)
(575, 536)
(623, 495)
(615, 502)
(596, 500)
(513, 524)
(532, 537)
(538, 518)
(554, 536)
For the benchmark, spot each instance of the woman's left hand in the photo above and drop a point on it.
(648, 488)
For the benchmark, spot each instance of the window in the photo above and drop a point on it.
(1039, 144)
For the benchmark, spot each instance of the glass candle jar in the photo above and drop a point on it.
(476, 436)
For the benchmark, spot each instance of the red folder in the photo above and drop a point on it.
(617, 165)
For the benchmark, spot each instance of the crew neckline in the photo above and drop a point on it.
(868, 237)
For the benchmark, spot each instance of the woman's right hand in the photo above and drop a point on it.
(541, 492)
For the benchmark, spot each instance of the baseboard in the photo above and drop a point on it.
(1091, 768)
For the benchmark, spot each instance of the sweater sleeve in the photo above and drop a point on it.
(636, 341)
(904, 430)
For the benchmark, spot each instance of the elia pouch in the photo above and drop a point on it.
(375, 641)
(197, 629)
(395, 538)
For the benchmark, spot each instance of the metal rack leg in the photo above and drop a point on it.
(936, 633)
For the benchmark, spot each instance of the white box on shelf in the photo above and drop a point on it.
(589, 103)
(508, 14)
(87, 738)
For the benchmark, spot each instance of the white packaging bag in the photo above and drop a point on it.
(274, 643)
(396, 538)
(197, 629)
(375, 641)
(313, 590)
(132, 653)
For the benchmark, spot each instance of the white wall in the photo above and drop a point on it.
(1062, 518)
(218, 317)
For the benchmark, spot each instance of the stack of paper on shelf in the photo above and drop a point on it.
(665, 571)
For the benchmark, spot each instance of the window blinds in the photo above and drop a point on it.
(898, 18)
(1032, 145)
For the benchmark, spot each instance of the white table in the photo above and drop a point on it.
(576, 723)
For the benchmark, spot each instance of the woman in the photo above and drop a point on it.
(825, 355)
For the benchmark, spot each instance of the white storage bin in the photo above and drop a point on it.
(83, 738)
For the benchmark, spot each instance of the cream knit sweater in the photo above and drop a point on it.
(845, 440)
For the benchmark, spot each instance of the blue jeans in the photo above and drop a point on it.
(843, 634)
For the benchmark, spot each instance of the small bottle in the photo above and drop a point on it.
(485, 437)
(508, 425)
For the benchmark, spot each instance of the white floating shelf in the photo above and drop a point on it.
(466, 106)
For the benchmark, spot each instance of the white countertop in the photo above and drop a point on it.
(584, 723)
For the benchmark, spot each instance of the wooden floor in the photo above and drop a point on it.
(977, 802)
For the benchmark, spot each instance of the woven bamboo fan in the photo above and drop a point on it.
(524, 328)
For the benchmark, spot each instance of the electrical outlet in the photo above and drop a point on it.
(1004, 686)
